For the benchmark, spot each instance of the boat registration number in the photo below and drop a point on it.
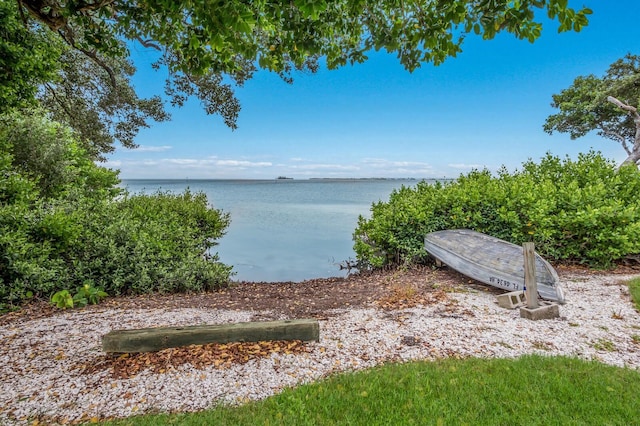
(504, 283)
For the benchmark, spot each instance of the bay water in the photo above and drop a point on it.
(285, 229)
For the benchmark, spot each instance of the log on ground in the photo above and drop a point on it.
(158, 338)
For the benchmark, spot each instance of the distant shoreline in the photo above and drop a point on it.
(336, 179)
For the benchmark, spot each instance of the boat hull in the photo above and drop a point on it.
(491, 261)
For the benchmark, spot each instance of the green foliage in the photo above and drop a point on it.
(28, 58)
(149, 243)
(580, 211)
(62, 299)
(87, 294)
(48, 154)
(92, 94)
(205, 43)
(583, 107)
(102, 107)
(65, 224)
(225, 35)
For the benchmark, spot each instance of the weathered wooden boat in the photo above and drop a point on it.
(491, 261)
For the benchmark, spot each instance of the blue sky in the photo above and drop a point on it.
(484, 108)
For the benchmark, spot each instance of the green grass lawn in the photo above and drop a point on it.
(532, 390)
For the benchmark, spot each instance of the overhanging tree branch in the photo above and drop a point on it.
(633, 111)
(94, 57)
(149, 43)
(634, 155)
(220, 37)
(57, 99)
(619, 138)
(607, 104)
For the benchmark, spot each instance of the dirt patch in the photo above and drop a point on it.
(308, 299)
(389, 289)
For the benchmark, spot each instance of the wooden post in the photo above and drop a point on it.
(530, 275)
(155, 339)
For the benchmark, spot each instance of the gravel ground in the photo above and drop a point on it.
(42, 359)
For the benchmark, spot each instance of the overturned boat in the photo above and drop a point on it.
(491, 261)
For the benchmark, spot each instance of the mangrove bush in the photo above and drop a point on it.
(583, 211)
(64, 222)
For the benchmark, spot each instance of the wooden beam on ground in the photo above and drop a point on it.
(155, 339)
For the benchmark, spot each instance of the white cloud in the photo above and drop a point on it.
(147, 148)
(213, 167)
(183, 161)
(384, 163)
(466, 166)
(242, 163)
(196, 168)
(337, 167)
(380, 167)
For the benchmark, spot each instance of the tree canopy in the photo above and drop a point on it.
(606, 104)
(102, 108)
(91, 94)
(27, 58)
(208, 45)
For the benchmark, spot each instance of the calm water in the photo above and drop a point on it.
(285, 230)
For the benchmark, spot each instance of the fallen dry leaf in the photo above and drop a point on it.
(199, 356)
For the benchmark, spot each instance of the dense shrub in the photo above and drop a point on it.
(149, 243)
(65, 223)
(582, 211)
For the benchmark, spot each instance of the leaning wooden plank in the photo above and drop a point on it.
(155, 339)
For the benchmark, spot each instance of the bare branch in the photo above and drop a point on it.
(619, 138)
(614, 134)
(630, 109)
(625, 146)
(90, 7)
(634, 155)
(149, 43)
(52, 17)
(67, 34)
(59, 101)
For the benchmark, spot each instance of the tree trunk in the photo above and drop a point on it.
(634, 158)
(634, 155)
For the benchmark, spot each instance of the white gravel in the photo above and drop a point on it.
(37, 357)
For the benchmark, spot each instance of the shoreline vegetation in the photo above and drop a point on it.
(584, 211)
(334, 179)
